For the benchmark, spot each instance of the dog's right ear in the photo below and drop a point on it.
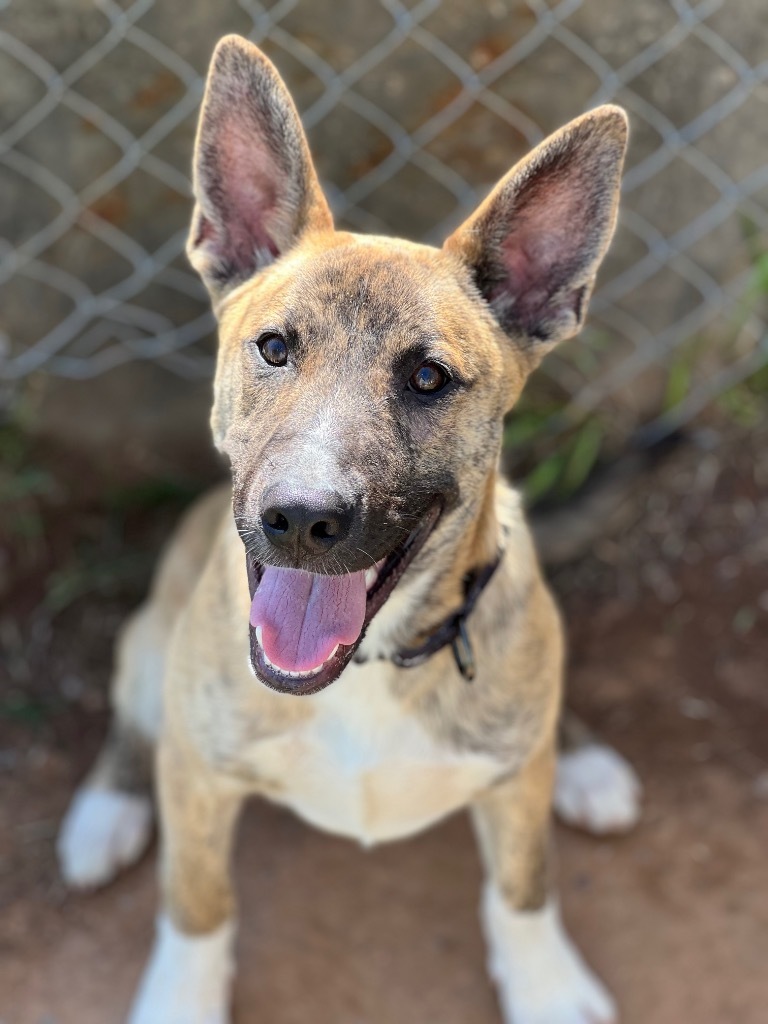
(255, 187)
(534, 246)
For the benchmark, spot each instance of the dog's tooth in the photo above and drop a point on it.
(371, 575)
(292, 675)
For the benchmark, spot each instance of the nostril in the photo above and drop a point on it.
(324, 529)
(276, 520)
(308, 522)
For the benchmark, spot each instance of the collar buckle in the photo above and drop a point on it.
(463, 654)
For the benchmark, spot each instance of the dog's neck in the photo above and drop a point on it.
(424, 600)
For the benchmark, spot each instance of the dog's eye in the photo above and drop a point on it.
(428, 379)
(273, 349)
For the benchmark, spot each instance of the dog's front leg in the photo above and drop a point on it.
(188, 978)
(540, 976)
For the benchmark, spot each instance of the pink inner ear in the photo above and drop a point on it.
(547, 246)
(526, 273)
(244, 196)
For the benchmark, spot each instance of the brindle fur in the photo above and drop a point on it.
(490, 303)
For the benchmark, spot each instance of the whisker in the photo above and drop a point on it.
(364, 552)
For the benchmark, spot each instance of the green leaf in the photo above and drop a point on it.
(759, 282)
(583, 455)
(542, 479)
(678, 384)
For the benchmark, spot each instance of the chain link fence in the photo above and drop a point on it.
(413, 109)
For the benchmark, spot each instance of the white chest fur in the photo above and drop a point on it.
(365, 768)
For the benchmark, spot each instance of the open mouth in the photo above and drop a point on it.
(305, 627)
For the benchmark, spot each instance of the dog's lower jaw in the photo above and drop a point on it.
(188, 978)
(540, 976)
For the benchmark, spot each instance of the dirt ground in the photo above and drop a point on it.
(669, 642)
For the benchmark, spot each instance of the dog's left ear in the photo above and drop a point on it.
(255, 186)
(535, 244)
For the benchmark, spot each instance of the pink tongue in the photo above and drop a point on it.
(304, 616)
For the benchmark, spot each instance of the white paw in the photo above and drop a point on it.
(597, 789)
(103, 831)
(188, 978)
(540, 976)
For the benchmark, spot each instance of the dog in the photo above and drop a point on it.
(358, 628)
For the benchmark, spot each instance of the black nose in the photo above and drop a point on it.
(310, 522)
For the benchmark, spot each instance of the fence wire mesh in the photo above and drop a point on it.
(414, 109)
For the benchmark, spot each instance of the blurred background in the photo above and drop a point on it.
(642, 442)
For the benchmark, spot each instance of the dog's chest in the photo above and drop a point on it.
(364, 767)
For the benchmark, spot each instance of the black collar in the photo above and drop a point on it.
(453, 630)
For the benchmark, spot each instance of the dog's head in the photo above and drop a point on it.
(362, 382)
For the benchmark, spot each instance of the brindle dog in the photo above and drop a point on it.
(374, 560)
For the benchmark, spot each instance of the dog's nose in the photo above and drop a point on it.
(310, 521)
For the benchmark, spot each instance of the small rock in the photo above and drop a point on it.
(744, 619)
(694, 708)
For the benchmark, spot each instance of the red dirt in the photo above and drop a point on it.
(669, 643)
